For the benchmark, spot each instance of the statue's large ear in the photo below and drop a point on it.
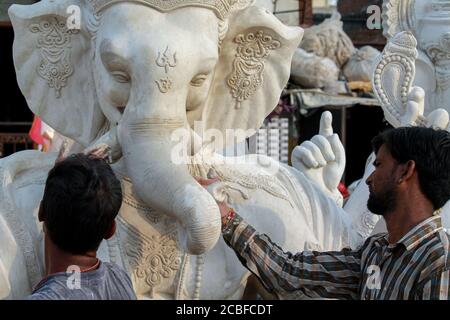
(253, 68)
(53, 65)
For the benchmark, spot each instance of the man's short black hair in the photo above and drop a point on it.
(82, 198)
(430, 150)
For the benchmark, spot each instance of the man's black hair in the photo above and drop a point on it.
(82, 198)
(430, 150)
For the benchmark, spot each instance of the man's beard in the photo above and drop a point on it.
(382, 202)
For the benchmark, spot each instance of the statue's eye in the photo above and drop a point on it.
(198, 80)
(121, 77)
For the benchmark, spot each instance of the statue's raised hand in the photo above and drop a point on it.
(439, 118)
(322, 159)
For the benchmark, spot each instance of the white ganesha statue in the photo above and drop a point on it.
(429, 23)
(136, 73)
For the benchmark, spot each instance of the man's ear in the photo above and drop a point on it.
(111, 231)
(408, 170)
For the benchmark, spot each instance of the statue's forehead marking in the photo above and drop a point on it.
(220, 7)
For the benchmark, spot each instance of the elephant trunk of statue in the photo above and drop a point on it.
(164, 184)
(169, 69)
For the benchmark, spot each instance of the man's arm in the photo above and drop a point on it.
(332, 275)
(435, 288)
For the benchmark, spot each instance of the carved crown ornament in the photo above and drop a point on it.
(221, 8)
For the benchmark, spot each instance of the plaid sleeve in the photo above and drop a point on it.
(436, 287)
(331, 275)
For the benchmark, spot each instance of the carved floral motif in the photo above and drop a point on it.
(248, 65)
(164, 84)
(152, 258)
(439, 54)
(55, 43)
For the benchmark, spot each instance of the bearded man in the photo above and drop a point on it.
(411, 182)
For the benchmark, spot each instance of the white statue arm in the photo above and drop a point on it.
(322, 159)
